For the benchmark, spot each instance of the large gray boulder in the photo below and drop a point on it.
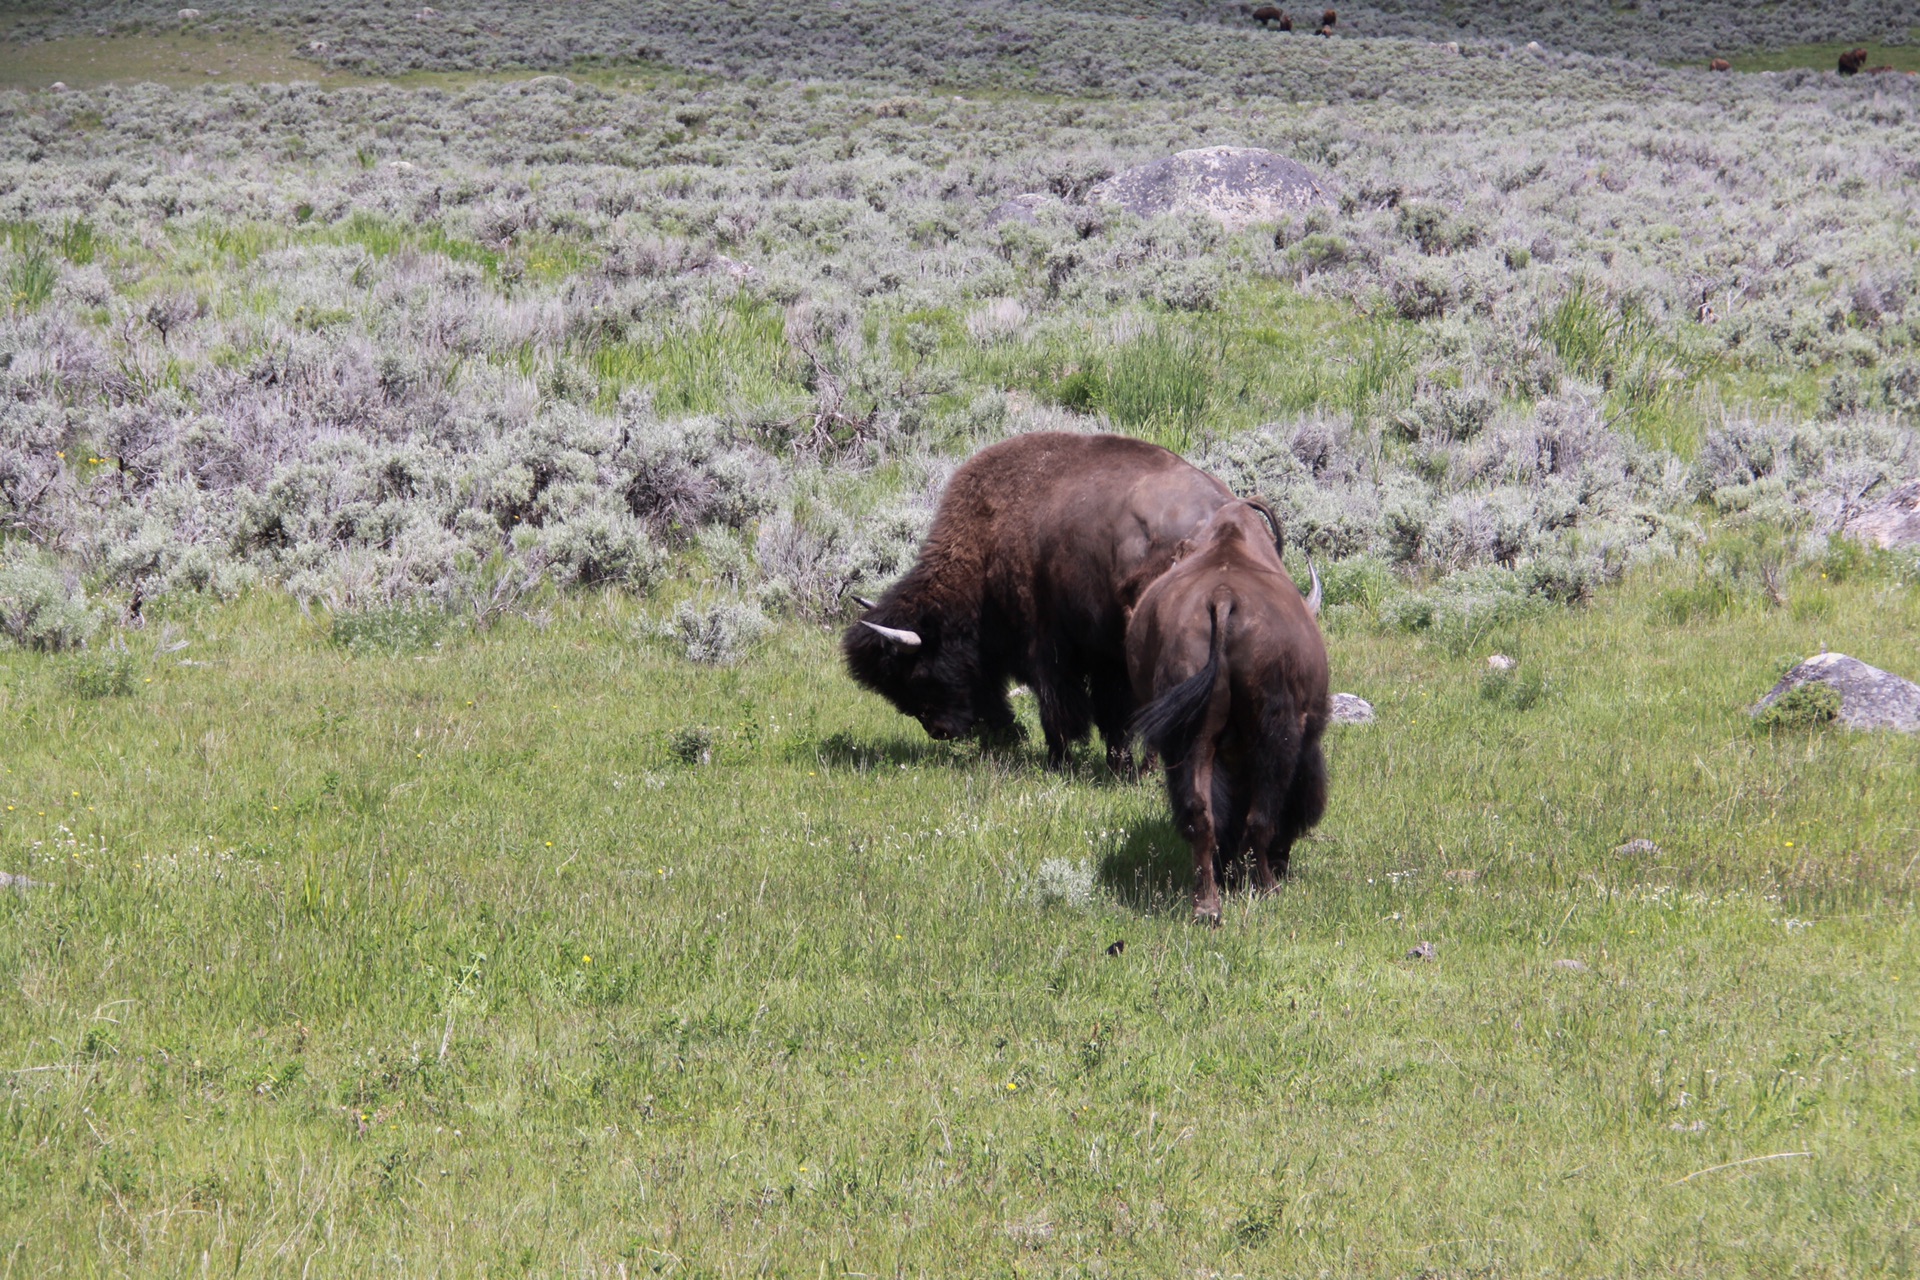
(1894, 521)
(1869, 697)
(1237, 186)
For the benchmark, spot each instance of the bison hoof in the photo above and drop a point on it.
(1207, 913)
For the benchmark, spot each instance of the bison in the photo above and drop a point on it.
(1039, 547)
(1268, 14)
(1852, 60)
(1328, 18)
(1719, 64)
(1228, 663)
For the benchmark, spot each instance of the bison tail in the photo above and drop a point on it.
(1171, 722)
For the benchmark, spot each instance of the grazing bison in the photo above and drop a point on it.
(1228, 662)
(1327, 20)
(1852, 60)
(1719, 64)
(1267, 15)
(1040, 546)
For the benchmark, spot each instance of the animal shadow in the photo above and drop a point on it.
(1151, 871)
(842, 750)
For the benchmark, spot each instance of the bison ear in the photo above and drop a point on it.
(894, 635)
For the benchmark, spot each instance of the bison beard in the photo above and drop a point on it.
(1040, 546)
(1232, 660)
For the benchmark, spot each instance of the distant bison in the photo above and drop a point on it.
(1881, 71)
(1719, 64)
(1852, 60)
(1040, 546)
(1328, 18)
(1268, 15)
(1228, 660)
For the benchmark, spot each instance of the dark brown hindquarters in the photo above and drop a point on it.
(1240, 732)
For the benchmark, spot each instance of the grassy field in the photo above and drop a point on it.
(1825, 57)
(374, 943)
(182, 59)
(444, 961)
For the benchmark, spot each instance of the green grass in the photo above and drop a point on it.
(1653, 382)
(184, 58)
(177, 58)
(439, 960)
(737, 354)
(1265, 353)
(1826, 57)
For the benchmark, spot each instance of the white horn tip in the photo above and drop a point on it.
(899, 635)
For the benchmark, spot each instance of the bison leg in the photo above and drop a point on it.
(1112, 713)
(1305, 803)
(1190, 788)
(1065, 717)
(997, 725)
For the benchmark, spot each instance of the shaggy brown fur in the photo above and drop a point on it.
(1040, 546)
(1852, 60)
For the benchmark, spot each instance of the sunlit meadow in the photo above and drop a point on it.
(435, 452)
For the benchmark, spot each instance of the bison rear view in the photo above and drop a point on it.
(1227, 658)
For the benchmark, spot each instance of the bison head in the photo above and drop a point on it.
(926, 667)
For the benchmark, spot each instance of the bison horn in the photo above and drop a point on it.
(899, 635)
(1315, 595)
(864, 603)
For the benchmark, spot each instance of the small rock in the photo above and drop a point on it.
(58, 86)
(1869, 697)
(1637, 849)
(1452, 46)
(1349, 708)
(1501, 662)
(1235, 186)
(1571, 966)
(188, 15)
(1425, 951)
(1024, 208)
(317, 46)
(402, 165)
(721, 264)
